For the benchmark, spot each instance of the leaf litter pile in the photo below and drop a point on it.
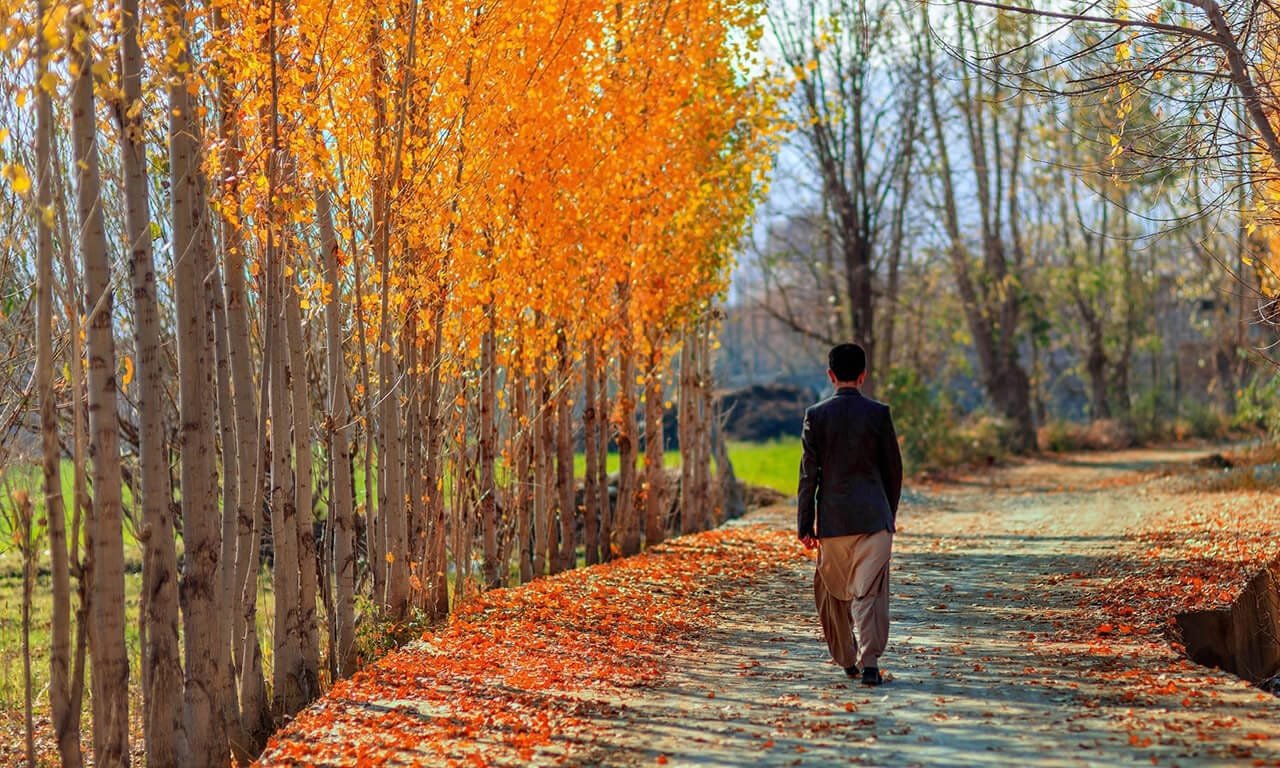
(1199, 559)
(515, 669)
(1198, 555)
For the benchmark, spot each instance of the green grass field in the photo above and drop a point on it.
(774, 464)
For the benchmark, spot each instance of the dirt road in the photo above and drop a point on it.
(987, 663)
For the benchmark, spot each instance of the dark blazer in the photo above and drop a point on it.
(851, 472)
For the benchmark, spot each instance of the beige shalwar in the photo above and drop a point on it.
(851, 588)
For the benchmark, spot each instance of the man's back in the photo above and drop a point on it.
(851, 472)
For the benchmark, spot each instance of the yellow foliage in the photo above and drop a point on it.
(18, 178)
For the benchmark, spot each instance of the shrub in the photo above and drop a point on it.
(982, 437)
(1148, 417)
(377, 635)
(1201, 420)
(1107, 435)
(1258, 404)
(922, 417)
(1100, 435)
(1060, 436)
(933, 436)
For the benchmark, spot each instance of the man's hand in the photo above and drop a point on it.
(809, 542)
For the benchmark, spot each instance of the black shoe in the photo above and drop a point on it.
(871, 676)
(853, 671)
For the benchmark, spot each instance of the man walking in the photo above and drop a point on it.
(850, 482)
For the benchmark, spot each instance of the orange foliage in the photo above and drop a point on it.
(532, 158)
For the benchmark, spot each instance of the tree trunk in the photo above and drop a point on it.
(627, 521)
(546, 479)
(415, 476)
(110, 663)
(374, 544)
(250, 447)
(461, 503)
(66, 721)
(375, 415)
(1096, 368)
(1132, 317)
(493, 575)
(1010, 388)
(228, 594)
(437, 552)
(338, 432)
(82, 506)
(858, 276)
(687, 428)
(732, 502)
(27, 546)
(162, 695)
(707, 495)
(523, 427)
(391, 510)
(590, 492)
(300, 405)
(203, 709)
(897, 234)
(255, 708)
(541, 459)
(655, 523)
(509, 513)
(288, 695)
(391, 504)
(567, 506)
(252, 436)
(603, 502)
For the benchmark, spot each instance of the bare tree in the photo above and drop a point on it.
(993, 131)
(1222, 76)
(854, 108)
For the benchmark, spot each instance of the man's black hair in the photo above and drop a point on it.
(847, 361)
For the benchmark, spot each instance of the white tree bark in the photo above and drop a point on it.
(308, 635)
(110, 664)
(201, 524)
(162, 665)
(66, 719)
(338, 430)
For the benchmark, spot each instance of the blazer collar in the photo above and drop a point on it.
(848, 392)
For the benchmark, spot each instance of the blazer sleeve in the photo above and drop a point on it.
(810, 476)
(890, 462)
